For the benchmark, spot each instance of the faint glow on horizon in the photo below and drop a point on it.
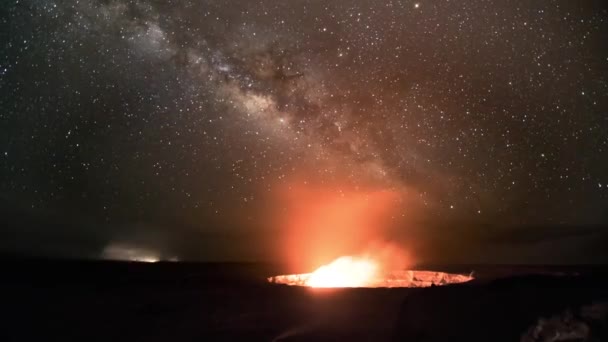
(145, 259)
(124, 252)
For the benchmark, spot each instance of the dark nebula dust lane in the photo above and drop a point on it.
(169, 123)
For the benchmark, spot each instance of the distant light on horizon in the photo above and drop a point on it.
(126, 252)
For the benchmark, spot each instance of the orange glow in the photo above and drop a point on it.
(320, 224)
(352, 278)
(345, 272)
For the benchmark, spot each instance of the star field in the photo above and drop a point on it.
(192, 112)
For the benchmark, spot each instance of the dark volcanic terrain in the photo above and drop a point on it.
(113, 301)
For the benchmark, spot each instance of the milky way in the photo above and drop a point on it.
(190, 113)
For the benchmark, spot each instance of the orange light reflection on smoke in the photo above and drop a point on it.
(322, 223)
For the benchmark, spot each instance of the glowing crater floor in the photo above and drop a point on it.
(394, 279)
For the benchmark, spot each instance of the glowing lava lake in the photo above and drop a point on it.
(361, 272)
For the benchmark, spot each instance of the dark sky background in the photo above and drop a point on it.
(173, 127)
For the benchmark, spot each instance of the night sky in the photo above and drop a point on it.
(177, 125)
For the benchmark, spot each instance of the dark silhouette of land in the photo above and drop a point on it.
(116, 301)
